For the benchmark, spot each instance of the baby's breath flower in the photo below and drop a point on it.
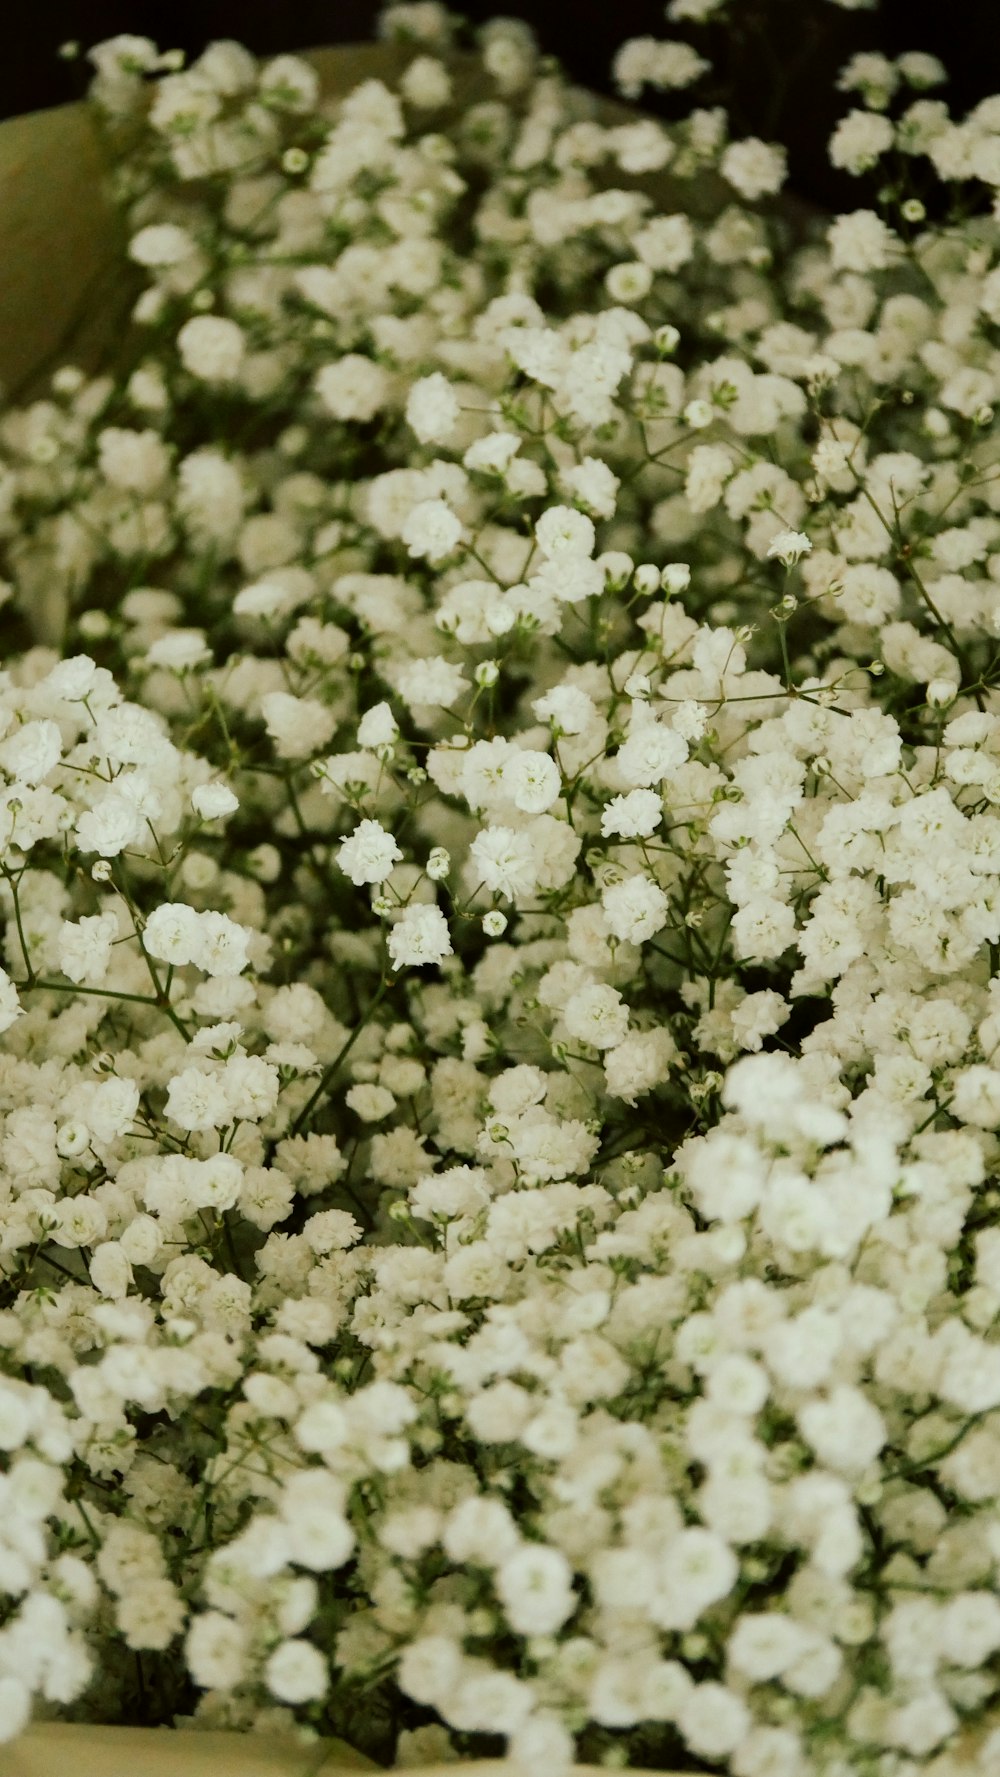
(788, 547)
(587, 1308)
(369, 853)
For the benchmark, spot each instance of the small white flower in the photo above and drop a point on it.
(213, 801)
(562, 530)
(789, 547)
(756, 169)
(432, 409)
(369, 1102)
(635, 909)
(296, 1672)
(597, 1015)
(212, 348)
(353, 388)
(172, 933)
(377, 727)
(503, 862)
(431, 529)
(635, 815)
(419, 937)
(369, 853)
(535, 1586)
(31, 752)
(532, 781)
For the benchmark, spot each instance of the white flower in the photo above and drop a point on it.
(10, 1006)
(216, 1649)
(977, 1096)
(353, 388)
(652, 752)
(212, 348)
(31, 752)
(764, 1645)
(296, 1672)
(567, 707)
(846, 1430)
(110, 1271)
(429, 1668)
(642, 61)
(431, 529)
(369, 853)
(377, 727)
(436, 682)
(697, 1570)
(535, 1586)
(713, 1720)
(562, 530)
(161, 243)
(542, 1743)
(859, 139)
(597, 1015)
(635, 815)
(642, 1060)
(289, 84)
(135, 461)
(419, 937)
(370, 1102)
(492, 455)
(532, 781)
(432, 409)
(754, 168)
(85, 947)
(172, 933)
(426, 83)
(221, 945)
(861, 242)
(594, 484)
(110, 826)
(15, 1708)
(635, 909)
(196, 1100)
(213, 801)
(503, 861)
(789, 547)
(299, 726)
(566, 577)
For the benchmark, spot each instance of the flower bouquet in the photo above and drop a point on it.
(500, 873)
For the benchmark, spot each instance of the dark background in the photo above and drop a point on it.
(776, 64)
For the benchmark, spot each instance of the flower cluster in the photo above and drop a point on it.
(500, 869)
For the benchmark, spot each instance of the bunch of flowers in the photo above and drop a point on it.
(499, 1236)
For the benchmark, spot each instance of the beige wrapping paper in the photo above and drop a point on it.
(56, 1750)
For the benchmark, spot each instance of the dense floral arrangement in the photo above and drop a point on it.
(499, 1236)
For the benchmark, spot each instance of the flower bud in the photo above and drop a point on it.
(675, 577)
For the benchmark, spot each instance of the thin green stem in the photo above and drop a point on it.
(330, 1071)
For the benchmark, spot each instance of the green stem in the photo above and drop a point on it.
(330, 1070)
